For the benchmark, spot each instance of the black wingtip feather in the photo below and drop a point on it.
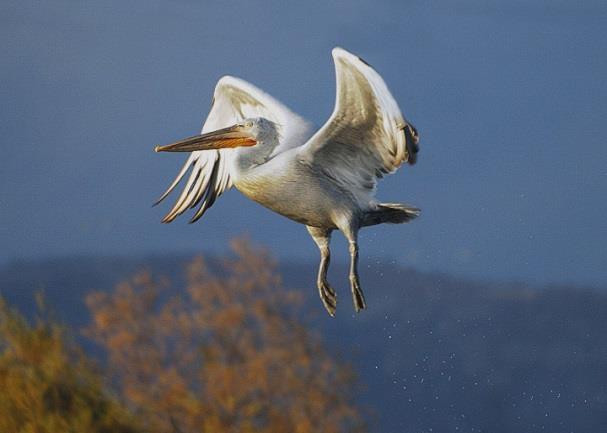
(210, 194)
(365, 62)
(411, 143)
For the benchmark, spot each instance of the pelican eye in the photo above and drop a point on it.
(248, 124)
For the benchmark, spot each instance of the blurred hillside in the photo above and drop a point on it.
(435, 353)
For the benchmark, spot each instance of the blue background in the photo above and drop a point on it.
(510, 100)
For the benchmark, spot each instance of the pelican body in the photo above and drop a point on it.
(325, 180)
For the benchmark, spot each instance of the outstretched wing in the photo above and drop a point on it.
(233, 101)
(366, 136)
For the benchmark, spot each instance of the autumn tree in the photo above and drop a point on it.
(229, 353)
(47, 385)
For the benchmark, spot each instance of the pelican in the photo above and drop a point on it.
(324, 179)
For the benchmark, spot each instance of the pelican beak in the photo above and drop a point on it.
(233, 136)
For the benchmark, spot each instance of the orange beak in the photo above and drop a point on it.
(230, 137)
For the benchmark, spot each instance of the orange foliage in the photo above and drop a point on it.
(229, 354)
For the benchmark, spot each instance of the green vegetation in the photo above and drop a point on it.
(48, 385)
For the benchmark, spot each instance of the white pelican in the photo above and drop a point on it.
(324, 179)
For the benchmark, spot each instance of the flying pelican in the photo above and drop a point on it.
(324, 179)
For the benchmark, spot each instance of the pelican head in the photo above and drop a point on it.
(262, 129)
(250, 132)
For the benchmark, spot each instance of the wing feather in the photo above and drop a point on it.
(233, 101)
(366, 136)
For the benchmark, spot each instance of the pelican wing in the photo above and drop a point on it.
(234, 100)
(366, 135)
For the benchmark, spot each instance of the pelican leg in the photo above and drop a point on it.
(328, 297)
(357, 293)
